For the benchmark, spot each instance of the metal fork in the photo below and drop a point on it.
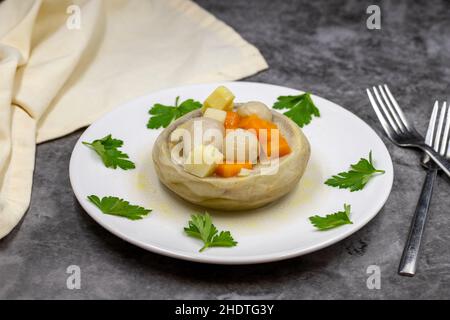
(398, 128)
(438, 137)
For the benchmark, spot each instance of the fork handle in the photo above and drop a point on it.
(408, 262)
(437, 158)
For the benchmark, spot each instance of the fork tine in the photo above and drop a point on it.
(392, 110)
(444, 145)
(432, 125)
(385, 111)
(397, 108)
(380, 116)
(437, 139)
(447, 132)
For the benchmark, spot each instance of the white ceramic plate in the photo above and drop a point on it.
(278, 231)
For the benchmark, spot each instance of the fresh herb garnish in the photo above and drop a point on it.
(163, 115)
(301, 108)
(201, 227)
(106, 148)
(357, 177)
(332, 220)
(119, 207)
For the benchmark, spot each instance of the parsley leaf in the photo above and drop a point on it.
(332, 220)
(119, 207)
(163, 115)
(106, 148)
(301, 108)
(356, 178)
(201, 227)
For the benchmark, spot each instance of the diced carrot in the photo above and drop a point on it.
(244, 122)
(247, 165)
(268, 134)
(283, 147)
(231, 120)
(227, 170)
(253, 122)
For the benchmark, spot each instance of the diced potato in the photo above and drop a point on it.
(215, 114)
(203, 160)
(221, 99)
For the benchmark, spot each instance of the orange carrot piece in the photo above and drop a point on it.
(247, 165)
(253, 122)
(283, 147)
(227, 170)
(244, 122)
(232, 120)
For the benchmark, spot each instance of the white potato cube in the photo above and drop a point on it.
(215, 114)
(221, 98)
(203, 160)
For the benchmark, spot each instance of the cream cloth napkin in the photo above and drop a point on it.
(64, 63)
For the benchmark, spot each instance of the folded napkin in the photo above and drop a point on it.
(64, 63)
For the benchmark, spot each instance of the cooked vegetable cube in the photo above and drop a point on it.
(215, 114)
(282, 147)
(202, 161)
(221, 99)
(227, 170)
(232, 120)
(265, 130)
(260, 126)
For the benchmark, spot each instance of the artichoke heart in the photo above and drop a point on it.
(265, 183)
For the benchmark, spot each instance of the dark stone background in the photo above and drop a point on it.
(320, 46)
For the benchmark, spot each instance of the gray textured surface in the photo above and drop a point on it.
(320, 46)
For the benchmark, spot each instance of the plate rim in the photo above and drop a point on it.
(229, 260)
